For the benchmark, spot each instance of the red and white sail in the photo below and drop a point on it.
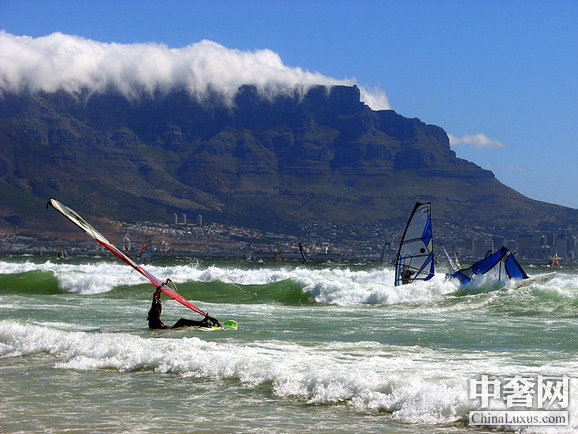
(79, 221)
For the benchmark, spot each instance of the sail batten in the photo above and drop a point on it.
(415, 257)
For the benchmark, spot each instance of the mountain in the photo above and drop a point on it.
(322, 156)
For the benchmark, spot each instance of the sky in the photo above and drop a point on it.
(499, 76)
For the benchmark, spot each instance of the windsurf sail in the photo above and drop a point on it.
(386, 255)
(126, 244)
(278, 255)
(79, 221)
(415, 257)
(500, 265)
(456, 260)
(62, 252)
(247, 255)
(304, 258)
(452, 263)
(146, 251)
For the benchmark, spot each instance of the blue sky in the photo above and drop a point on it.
(501, 77)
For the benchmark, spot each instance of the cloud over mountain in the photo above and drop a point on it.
(75, 64)
(475, 141)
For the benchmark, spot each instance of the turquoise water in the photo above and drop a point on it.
(325, 348)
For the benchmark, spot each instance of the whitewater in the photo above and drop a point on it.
(324, 347)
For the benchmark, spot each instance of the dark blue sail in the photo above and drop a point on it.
(502, 264)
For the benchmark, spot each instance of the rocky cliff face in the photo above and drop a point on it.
(321, 156)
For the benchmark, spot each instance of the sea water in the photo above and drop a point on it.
(320, 348)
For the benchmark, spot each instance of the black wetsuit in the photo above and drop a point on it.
(155, 315)
(187, 323)
(155, 322)
(207, 321)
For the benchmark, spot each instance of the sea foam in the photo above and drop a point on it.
(364, 375)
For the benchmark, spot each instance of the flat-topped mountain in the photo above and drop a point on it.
(321, 156)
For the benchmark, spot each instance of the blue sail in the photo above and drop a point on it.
(415, 257)
(501, 263)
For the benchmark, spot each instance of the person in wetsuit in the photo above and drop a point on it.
(154, 317)
(406, 275)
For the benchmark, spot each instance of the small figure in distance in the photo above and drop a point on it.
(154, 317)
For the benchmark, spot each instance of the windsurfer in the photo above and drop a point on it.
(555, 261)
(154, 317)
(406, 274)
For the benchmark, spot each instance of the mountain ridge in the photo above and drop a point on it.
(322, 156)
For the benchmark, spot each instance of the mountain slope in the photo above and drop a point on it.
(322, 157)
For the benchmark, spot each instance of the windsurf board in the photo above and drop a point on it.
(540, 279)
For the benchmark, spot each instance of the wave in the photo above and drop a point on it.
(286, 284)
(366, 376)
(292, 285)
(285, 292)
(29, 282)
(84, 278)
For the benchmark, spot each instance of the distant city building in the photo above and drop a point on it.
(571, 247)
(499, 242)
(525, 241)
(561, 246)
(200, 220)
(482, 247)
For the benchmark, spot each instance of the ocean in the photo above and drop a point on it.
(321, 348)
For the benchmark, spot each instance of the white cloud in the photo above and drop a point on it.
(475, 141)
(515, 168)
(72, 63)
